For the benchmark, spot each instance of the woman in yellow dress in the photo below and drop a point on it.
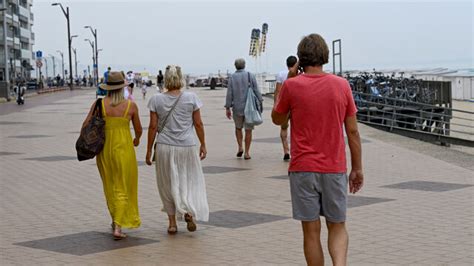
(117, 162)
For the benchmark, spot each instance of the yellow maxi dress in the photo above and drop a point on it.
(117, 164)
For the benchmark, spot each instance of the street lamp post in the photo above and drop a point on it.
(69, 40)
(96, 67)
(62, 60)
(95, 74)
(75, 61)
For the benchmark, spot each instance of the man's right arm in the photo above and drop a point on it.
(356, 177)
(277, 91)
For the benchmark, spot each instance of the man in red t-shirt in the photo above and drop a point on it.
(320, 104)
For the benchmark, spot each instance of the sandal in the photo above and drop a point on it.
(172, 230)
(190, 223)
(247, 157)
(120, 237)
(239, 154)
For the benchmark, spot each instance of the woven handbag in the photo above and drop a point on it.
(92, 138)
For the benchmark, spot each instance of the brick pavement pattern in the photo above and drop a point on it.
(416, 207)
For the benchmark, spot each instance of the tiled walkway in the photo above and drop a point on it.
(415, 209)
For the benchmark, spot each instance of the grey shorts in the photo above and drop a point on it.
(314, 194)
(239, 121)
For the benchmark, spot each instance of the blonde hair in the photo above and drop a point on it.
(116, 96)
(173, 78)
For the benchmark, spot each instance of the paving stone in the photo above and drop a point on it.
(358, 201)
(427, 186)
(30, 136)
(6, 153)
(9, 123)
(85, 243)
(52, 158)
(221, 169)
(280, 177)
(238, 219)
(60, 204)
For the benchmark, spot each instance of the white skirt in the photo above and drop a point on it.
(181, 182)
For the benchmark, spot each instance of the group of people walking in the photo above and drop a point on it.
(174, 114)
(317, 107)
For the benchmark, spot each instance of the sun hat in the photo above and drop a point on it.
(115, 81)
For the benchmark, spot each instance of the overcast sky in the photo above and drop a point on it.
(207, 36)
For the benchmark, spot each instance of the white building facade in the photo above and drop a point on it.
(17, 38)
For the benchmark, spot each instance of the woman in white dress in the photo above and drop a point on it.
(176, 116)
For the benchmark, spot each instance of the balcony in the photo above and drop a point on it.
(24, 12)
(25, 54)
(25, 33)
(32, 17)
(16, 18)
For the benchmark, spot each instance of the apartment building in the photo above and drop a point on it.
(17, 38)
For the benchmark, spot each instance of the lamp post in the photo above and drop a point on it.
(96, 66)
(69, 40)
(95, 74)
(75, 61)
(62, 60)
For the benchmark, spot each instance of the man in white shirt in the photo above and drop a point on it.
(280, 78)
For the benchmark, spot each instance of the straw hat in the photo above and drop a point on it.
(115, 81)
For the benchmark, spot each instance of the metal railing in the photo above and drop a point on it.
(437, 123)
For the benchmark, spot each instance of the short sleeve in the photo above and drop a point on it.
(282, 104)
(197, 104)
(278, 78)
(152, 104)
(351, 108)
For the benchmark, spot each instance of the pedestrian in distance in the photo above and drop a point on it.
(280, 78)
(320, 105)
(144, 90)
(106, 74)
(175, 115)
(159, 81)
(128, 92)
(117, 162)
(237, 89)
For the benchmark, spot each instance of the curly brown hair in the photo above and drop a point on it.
(313, 51)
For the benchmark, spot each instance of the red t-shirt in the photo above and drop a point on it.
(318, 105)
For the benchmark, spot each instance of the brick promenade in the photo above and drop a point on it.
(415, 209)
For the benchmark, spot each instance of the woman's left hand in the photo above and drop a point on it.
(202, 152)
(136, 142)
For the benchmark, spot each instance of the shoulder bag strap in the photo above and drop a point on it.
(169, 113)
(98, 108)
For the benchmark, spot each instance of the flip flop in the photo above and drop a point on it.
(247, 158)
(239, 154)
(190, 223)
(172, 230)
